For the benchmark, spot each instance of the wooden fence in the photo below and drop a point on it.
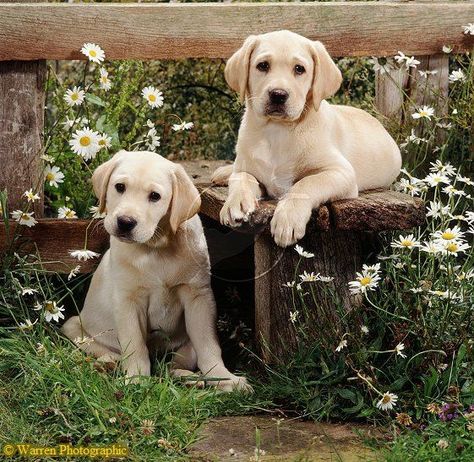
(33, 33)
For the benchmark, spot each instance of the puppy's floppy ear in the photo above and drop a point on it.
(186, 201)
(237, 67)
(327, 78)
(101, 177)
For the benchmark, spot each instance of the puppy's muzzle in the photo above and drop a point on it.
(277, 99)
(125, 225)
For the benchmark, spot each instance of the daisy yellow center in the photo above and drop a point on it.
(365, 281)
(49, 177)
(49, 306)
(25, 216)
(92, 53)
(85, 141)
(103, 79)
(386, 399)
(452, 247)
(74, 96)
(101, 142)
(423, 114)
(447, 235)
(152, 98)
(406, 243)
(70, 213)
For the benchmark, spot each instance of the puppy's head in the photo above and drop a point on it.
(144, 195)
(280, 73)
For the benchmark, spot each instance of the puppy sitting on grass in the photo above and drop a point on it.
(151, 291)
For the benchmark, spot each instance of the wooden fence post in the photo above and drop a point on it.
(22, 100)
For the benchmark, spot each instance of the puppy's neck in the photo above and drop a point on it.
(164, 236)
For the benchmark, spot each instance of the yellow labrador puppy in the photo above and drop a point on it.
(292, 144)
(152, 288)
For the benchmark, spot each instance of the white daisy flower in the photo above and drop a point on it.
(457, 76)
(434, 179)
(425, 74)
(66, 212)
(28, 291)
(95, 212)
(53, 175)
(408, 61)
(153, 96)
(69, 123)
(431, 248)
(325, 278)
(341, 346)
(447, 49)
(364, 329)
(292, 284)
(93, 52)
(453, 247)
(104, 141)
(104, 81)
(452, 191)
(399, 350)
(183, 126)
(309, 277)
(387, 402)
(426, 112)
(405, 242)
(408, 186)
(446, 169)
(52, 312)
(465, 179)
(47, 158)
(294, 316)
(85, 142)
(24, 218)
(74, 272)
(31, 196)
(303, 253)
(74, 97)
(437, 210)
(27, 325)
(83, 255)
(449, 234)
(152, 139)
(382, 65)
(365, 281)
(469, 29)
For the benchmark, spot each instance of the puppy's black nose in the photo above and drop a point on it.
(126, 224)
(278, 96)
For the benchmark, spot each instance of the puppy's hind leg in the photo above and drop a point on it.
(184, 364)
(221, 175)
(75, 332)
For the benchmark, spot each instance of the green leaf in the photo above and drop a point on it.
(93, 99)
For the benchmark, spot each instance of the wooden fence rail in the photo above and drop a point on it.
(175, 31)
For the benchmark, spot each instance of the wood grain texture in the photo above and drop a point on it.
(338, 254)
(173, 31)
(54, 239)
(389, 92)
(22, 100)
(372, 211)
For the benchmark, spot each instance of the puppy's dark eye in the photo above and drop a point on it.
(154, 196)
(299, 69)
(120, 188)
(263, 66)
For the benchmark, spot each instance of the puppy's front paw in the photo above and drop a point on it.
(238, 208)
(289, 222)
(234, 383)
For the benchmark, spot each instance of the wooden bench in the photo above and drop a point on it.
(342, 235)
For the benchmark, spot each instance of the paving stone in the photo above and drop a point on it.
(289, 440)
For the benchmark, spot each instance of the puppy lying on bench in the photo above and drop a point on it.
(151, 291)
(293, 145)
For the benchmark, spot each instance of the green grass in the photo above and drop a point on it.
(55, 394)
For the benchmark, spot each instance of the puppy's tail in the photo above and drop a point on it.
(221, 175)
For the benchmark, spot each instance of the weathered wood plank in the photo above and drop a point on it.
(171, 31)
(22, 99)
(54, 239)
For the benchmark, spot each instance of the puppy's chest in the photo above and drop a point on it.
(275, 166)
